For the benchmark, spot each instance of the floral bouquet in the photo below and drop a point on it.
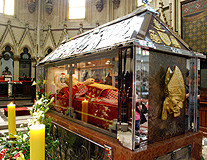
(19, 148)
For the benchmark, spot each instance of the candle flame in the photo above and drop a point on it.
(11, 104)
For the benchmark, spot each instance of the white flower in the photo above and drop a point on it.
(39, 102)
(45, 101)
(24, 137)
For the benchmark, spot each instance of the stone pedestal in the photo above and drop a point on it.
(157, 149)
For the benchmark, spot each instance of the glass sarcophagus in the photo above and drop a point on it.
(126, 79)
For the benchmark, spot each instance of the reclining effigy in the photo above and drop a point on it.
(102, 101)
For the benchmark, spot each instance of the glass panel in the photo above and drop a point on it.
(125, 79)
(93, 85)
(55, 77)
(1, 6)
(192, 91)
(77, 3)
(9, 7)
(141, 99)
(24, 70)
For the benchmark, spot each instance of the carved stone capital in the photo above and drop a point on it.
(16, 57)
(81, 28)
(33, 59)
(97, 24)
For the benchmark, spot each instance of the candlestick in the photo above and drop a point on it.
(84, 110)
(11, 119)
(37, 142)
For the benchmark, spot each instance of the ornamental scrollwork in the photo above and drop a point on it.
(99, 5)
(31, 5)
(154, 36)
(49, 6)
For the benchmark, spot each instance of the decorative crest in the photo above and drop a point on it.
(31, 5)
(116, 3)
(49, 6)
(99, 5)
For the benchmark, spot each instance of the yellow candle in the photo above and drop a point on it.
(37, 142)
(11, 119)
(84, 110)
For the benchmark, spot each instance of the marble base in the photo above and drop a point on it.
(119, 152)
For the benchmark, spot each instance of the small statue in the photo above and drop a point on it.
(175, 93)
(6, 72)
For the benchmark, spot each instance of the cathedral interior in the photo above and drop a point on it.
(33, 30)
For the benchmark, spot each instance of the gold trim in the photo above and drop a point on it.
(154, 36)
(164, 38)
(158, 26)
(175, 42)
(109, 121)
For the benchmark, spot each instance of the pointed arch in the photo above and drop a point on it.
(49, 36)
(8, 36)
(7, 60)
(25, 64)
(25, 46)
(62, 35)
(48, 51)
(5, 45)
(24, 37)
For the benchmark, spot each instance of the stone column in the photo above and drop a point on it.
(33, 67)
(16, 67)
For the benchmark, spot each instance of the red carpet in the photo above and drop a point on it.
(20, 111)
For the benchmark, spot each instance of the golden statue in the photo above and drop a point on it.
(175, 93)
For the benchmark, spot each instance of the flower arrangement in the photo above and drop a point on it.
(19, 148)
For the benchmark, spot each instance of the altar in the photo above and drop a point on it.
(3, 87)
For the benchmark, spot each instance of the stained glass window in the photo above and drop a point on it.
(76, 9)
(7, 7)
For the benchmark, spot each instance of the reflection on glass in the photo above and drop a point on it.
(192, 96)
(142, 92)
(94, 91)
